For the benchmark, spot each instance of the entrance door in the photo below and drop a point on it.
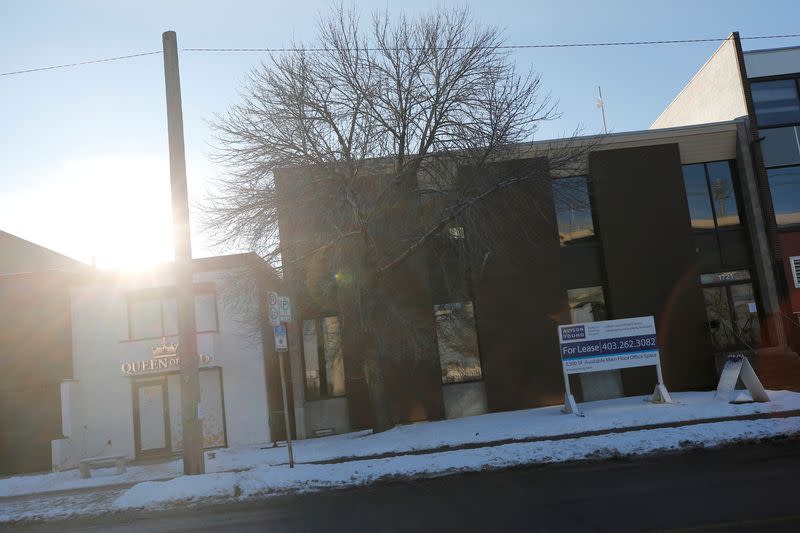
(151, 417)
(731, 311)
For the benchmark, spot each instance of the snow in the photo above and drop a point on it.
(265, 480)
(255, 470)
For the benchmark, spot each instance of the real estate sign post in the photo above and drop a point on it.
(609, 345)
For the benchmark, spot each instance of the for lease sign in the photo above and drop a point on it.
(608, 345)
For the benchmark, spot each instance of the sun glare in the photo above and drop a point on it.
(115, 210)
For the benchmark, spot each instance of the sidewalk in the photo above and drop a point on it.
(626, 426)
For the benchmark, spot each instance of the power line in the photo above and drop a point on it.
(499, 47)
(502, 47)
(91, 61)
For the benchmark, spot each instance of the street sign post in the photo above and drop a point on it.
(609, 345)
(279, 309)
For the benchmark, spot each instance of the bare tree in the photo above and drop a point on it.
(378, 143)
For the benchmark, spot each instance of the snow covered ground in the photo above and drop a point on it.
(250, 471)
(264, 480)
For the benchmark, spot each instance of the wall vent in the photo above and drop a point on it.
(794, 264)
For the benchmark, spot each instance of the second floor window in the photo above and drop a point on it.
(784, 184)
(573, 210)
(776, 102)
(711, 195)
(153, 314)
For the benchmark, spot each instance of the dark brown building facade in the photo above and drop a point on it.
(665, 231)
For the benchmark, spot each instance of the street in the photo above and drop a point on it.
(749, 488)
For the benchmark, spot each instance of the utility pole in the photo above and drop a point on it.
(193, 460)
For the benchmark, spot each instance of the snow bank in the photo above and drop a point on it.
(513, 425)
(264, 480)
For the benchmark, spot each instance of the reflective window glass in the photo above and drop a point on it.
(711, 195)
(334, 362)
(776, 102)
(722, 193)
(311, 359)
(780, 146)
(586, 304)
(322, 358)
(747, 327)
(573, 209)
(694, 179)
(784, 184)
(458, 342)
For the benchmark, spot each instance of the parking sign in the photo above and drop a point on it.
(274, 313)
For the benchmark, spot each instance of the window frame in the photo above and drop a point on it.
(603, 293)
(324, 393)
(161, 294)
(736, 195)
(767, 79)
(477, 342)
(592, 215)
(786, 227)
(726, 286)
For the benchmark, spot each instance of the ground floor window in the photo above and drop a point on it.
(586, 304)
(458, 342)
(322, 358)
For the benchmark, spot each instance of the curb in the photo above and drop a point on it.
(562, 436)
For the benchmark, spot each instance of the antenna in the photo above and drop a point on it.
(602, 106)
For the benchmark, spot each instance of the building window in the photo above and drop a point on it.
(710, 194)
(322, 357)
(784, 184)
(776, 102)
(153, 314)
(573, 210)
(780, 146)
(458, 342)
(586, 304)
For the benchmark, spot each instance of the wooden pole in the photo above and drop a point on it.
(193, 460)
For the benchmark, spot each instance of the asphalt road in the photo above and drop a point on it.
(744, 488)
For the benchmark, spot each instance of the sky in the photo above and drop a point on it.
(83, 151)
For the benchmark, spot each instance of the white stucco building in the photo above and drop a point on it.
(125, 395)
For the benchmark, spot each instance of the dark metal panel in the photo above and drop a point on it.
(519, 301)
(582, 265)
(649, 255)
(735, 248)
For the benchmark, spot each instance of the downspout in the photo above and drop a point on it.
(756, 227)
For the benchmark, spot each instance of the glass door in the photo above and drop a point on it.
(731, 311)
